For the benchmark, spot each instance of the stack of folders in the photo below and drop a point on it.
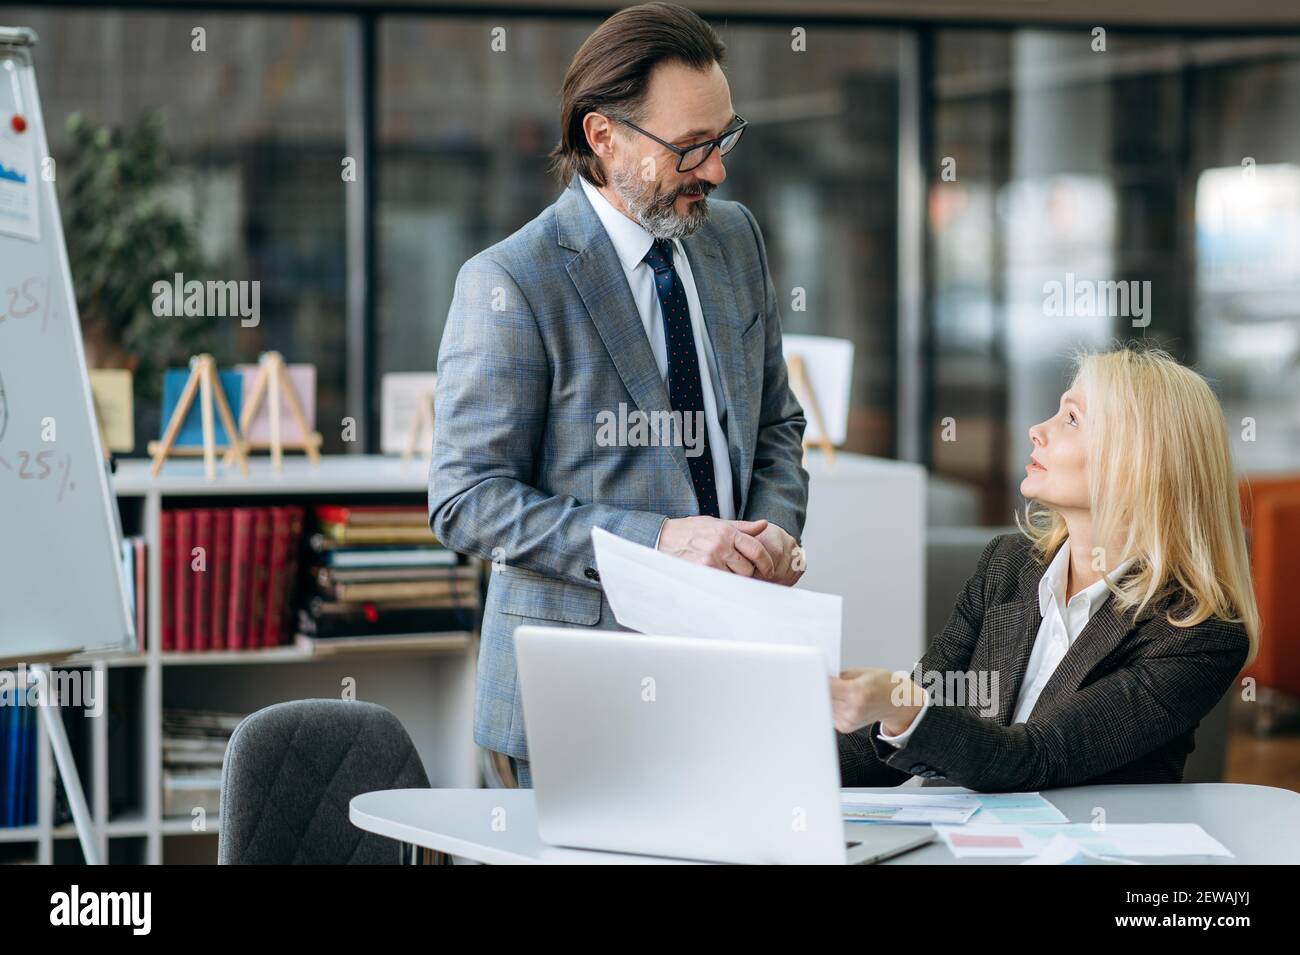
(229, 576)
(378, 571)
(17, 760)
(194, 743)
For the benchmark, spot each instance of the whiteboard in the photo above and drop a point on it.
(61, 579)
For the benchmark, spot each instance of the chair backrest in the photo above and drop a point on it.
(1271, 511)
(1205, 764)
(951, 556)
(290, 771)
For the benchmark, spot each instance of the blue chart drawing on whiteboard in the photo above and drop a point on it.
(18, 175)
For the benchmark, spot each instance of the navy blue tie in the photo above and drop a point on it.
(685, 393)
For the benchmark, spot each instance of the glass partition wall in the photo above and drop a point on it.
(1072, 197)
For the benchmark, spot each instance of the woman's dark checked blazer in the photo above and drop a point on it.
(1122, 707)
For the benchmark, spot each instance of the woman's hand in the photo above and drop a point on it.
(862, 695)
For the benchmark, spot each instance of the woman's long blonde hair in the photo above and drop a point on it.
(1160, 479)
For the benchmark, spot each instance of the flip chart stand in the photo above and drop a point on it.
(53, 542)
(67, 765)
(203, 380)
(423, 415)
(103, 435)
(272, 383)
(801, 382)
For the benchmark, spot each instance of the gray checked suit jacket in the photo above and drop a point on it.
(541, 337)
(1122, 706)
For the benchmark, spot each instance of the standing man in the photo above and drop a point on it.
(617, 362)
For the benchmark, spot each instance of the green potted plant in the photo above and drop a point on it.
(124, 234)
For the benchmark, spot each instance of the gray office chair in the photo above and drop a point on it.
(289, 773)
(951, 555)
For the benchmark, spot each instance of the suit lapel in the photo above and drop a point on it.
(598, 276)
(722, 324)
(1012, 627)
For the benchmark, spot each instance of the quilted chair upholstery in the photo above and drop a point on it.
(291, 770)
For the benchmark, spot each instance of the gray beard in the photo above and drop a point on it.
(655, 212)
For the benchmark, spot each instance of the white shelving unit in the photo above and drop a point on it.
(428, 683)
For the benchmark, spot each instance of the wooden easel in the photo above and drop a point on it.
(423, 414)
(801, 382)
(273, 383)
(203, 379)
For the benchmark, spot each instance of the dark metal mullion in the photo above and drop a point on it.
(927, 350)
(911, 272)
(1189, 88)
(360, 101)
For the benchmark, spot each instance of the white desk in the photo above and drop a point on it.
(1258, 824)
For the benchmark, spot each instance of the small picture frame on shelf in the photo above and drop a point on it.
(406, 414)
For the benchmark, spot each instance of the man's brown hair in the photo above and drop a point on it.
(611, 72)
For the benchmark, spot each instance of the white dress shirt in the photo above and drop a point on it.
(631, 243)
(1061, 626)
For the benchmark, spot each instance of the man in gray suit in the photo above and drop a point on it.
(617, 362)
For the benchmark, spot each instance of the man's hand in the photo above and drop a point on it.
(726, 545)
(783, 550)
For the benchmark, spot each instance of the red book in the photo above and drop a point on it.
(138, 551)
(275, 576)
(220, 572)
(241, 569)
(261, 564)
(201, 600)
(373, 514)
(296, 515)
(184, 579)
(167, 578)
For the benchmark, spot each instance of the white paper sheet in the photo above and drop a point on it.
(1117, 839)
(1063, 850)
(657, 593)
(1017, 809)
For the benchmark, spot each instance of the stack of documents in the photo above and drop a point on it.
(904, 806)
(911, 808)
(1015, 825)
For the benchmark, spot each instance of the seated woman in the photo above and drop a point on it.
(1088, 648)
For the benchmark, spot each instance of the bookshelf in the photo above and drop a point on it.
(427, 680)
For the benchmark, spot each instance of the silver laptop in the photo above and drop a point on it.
(696, 749)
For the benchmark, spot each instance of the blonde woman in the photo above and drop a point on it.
(1089, 647)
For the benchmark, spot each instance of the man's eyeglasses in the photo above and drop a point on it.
(691, 156)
